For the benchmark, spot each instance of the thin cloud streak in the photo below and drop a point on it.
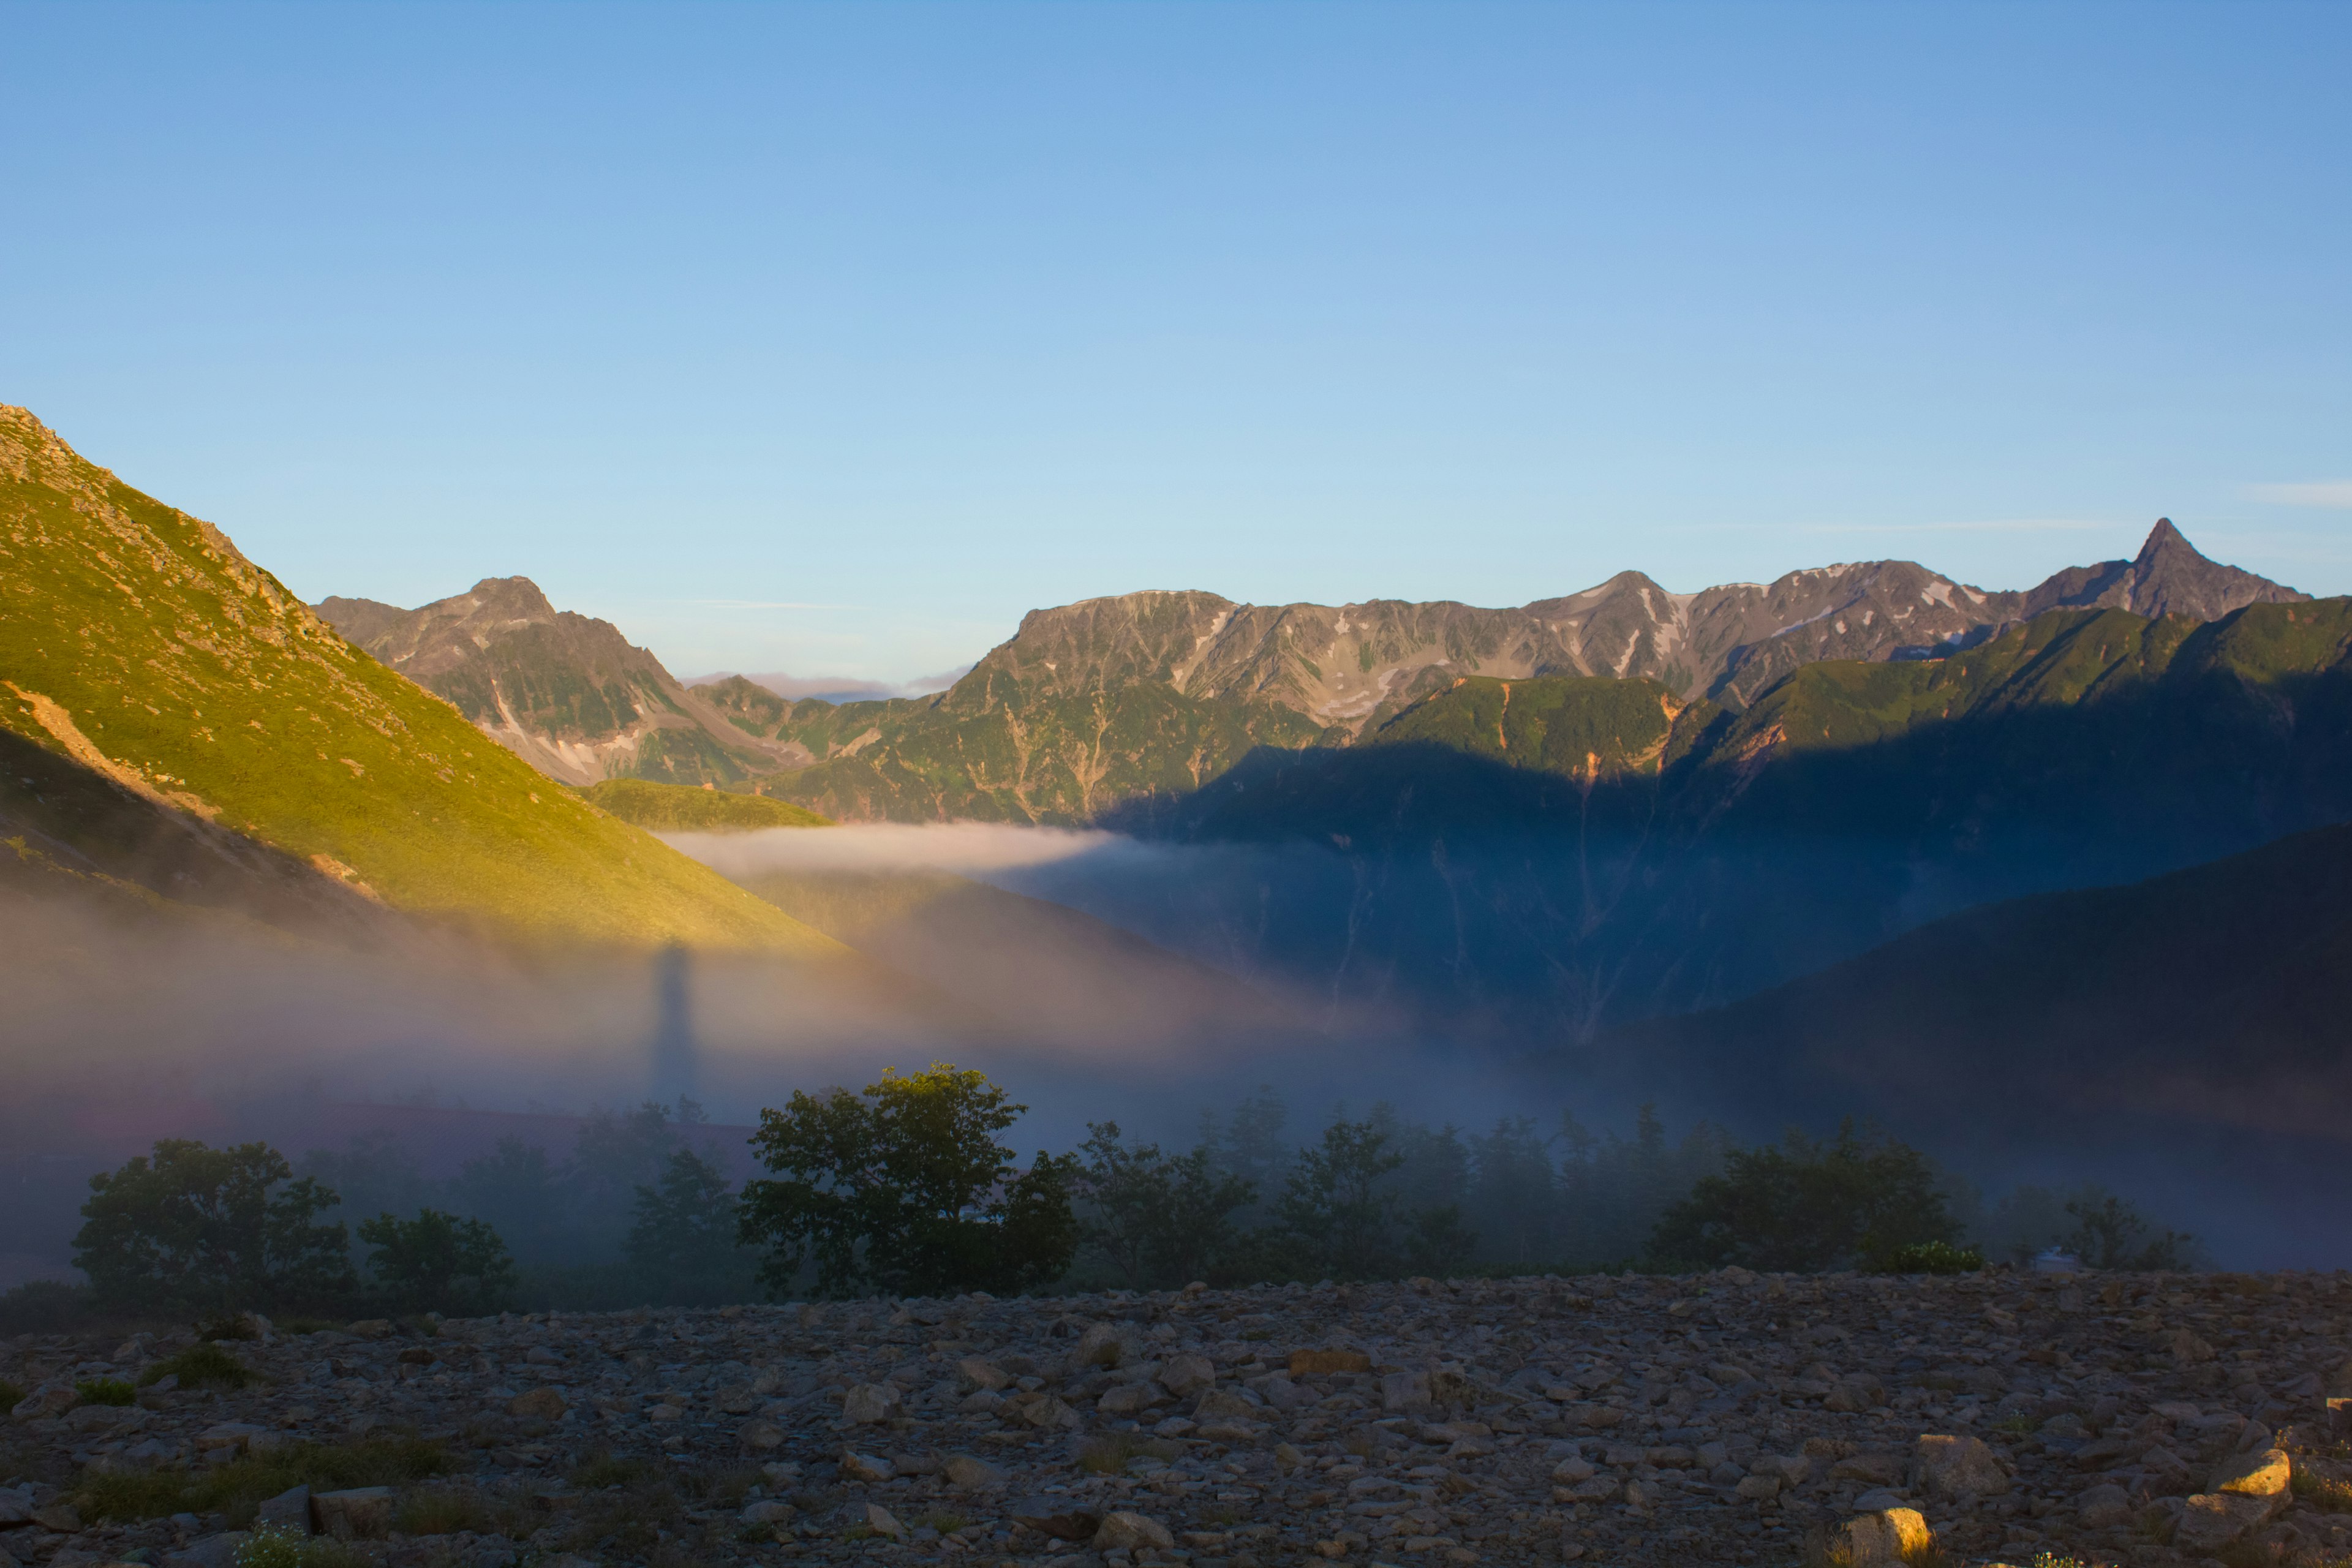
(765, 604)
(2333, 494)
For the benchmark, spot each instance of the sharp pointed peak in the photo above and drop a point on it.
(2163, 537)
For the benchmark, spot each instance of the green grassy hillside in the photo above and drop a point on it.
(1003, 748)
(136, 639)
(674, 808)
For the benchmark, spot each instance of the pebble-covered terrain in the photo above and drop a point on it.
(1730, 1417)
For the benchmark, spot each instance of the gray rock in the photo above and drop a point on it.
(49, 1399)
(1957, 1467)
(290, 1510)
(968, 1474)
(209, 1552)
(1125, 1531)
(1185, 1375)
(868, 1403)
(356, 1513)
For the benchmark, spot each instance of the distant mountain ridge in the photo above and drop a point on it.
(566, 692)
(1093, 705)
(1090, 706)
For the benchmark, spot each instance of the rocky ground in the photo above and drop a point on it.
(1727, 1418)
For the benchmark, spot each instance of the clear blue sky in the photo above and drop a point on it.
(926, 315)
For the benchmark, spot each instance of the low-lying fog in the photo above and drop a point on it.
(973, 954)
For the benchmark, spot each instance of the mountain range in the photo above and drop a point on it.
(1091, 705)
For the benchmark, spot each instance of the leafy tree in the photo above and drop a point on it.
(1514, 1195)
(2110, 1233)
(613, 1156)
(195, 1229)
(373, 1174)
(1162, 1220)
(1249, 1144)
(1336, 1205)
(439, 1262)
(1439, 1242)
(685, 1244)
(1808, 1206)
(519, 1192)
(903, 1187)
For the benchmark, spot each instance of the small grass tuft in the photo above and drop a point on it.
(602, 1469)
(446, 1510)
(201, 1366)
(2327, 1496)
(10, 1395)
(106, 1390)
(275, 1546)
(243, 1485)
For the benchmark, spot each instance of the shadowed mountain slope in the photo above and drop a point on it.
(2214, 994)
(1571, 854)
(137, 641)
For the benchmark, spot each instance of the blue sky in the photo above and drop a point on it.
(830, 338)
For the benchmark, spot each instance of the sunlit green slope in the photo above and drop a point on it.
(136, 639)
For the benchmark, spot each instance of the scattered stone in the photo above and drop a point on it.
(867, 1403)
(882, 1521)
(2211, 1521)
(359, 1513)
(1957, 1467)
(538, 1404)
(49, 1399)
(1125, 1531)
(867, 1468)
(1185, 1375)
(290, 1510)
(966, 1473)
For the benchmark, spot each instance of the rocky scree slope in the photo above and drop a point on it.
(137, 641)
(2148, 1419)
(1093, 704)
(565, 692)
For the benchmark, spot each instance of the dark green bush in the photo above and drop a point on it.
(201, 1366)
(1928, 1257)
(1808, 1206)
(106, 1390)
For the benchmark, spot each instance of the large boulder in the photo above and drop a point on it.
(357, 1513)
(1125, 1531)
(1185, 1375)
(538, 1404)
(868, 1403)
(2266, 1473)
(1956, 1467)
(1887, 1538)
(2211, 1521)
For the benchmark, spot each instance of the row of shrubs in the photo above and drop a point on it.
(904, 1187)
